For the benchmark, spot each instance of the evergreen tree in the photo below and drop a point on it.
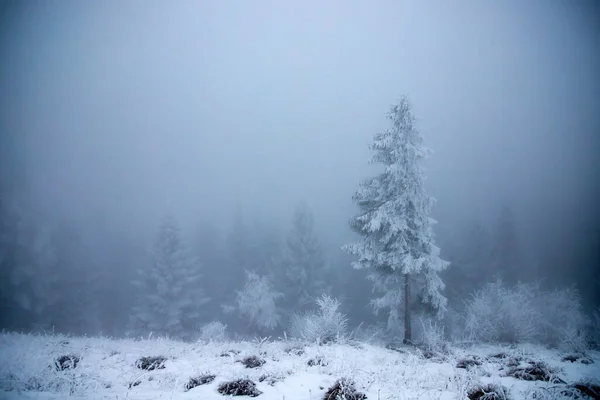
(169, 292)
(305, 270)
(395, 223)
(257, 303)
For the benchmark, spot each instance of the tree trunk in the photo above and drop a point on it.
(407, 327)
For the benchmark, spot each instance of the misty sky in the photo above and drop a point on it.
(127, 110)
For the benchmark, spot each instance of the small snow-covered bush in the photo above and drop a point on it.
(213, 332)
(257, 302)
(326, 325)
(198, 381)
(151, 363)
(563, 320)
(488, 392)
(343, 389)
(433, 335)
(252, 362)
(240, 387)
(499, 314)
(525, 313)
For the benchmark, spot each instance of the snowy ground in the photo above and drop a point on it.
(107, 369)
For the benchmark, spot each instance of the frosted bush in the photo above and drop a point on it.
(213, 332)
(564, 323)
(326, 325)
(525, 313)
(498, 314)
(433, 335)
(257, 302)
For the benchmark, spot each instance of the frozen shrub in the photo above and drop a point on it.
(252, 362)
(326, 325)
(343, 389)
(151, 363)
(271, 379)
(577, 357)
(213, 332)
(199, 380)
(498, 314)
(525, 313)
(317, 361)
(66, 362)
(535, 371)
(488, 392)
(468, 362)
(586, 388)
(432, 336)
(240, 387)
(564, 323)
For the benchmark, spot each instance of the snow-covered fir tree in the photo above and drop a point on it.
(305, 271)
(395, 223)
(257, 303)
(170, 296)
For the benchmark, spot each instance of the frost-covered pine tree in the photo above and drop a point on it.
(305, 269)
(395, 224)
(257, 303)
(170, 296)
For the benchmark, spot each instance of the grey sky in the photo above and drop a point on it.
(128, 110)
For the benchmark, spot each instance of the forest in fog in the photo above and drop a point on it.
(179, 167)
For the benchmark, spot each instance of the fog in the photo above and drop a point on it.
(117, 113)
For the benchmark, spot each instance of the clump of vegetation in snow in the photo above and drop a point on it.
(239, 387)
(66, 362)
(151, 363)
(433, 338)
(586, 388)
(343, 389)
(271, 379)
(577, 357)
(326, 325)
(488, 392)
(215, 332)
(230, 353)
(252, 362)
(317, 361)
(199, 380)
(535, 371)
(468, 362)
(525, 313)
(294, 350)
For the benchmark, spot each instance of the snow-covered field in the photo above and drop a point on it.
(107, 369)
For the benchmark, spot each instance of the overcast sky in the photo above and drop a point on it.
(128, 110)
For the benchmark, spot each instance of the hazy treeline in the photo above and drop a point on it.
(57, 276)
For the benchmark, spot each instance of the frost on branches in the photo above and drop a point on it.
(257, 302)
(169, 296)
(394, 221)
